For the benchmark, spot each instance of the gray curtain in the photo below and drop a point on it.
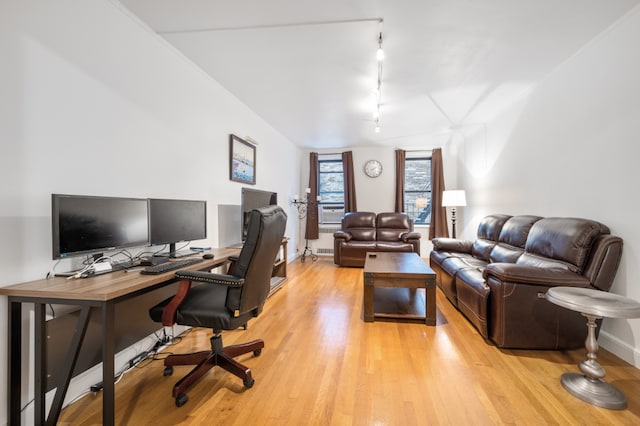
(349, 183)
(399, 202)
(438, 226)
(311, 230)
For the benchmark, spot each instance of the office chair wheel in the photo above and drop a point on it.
(247, 383)
(257, 352)
(168, 371)
(181, 400)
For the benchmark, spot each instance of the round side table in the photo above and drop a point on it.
(593, 304)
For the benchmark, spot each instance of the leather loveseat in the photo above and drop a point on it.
(499, 280)
(365, 231)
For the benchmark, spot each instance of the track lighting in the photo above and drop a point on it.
(377, 91)
(380, 52)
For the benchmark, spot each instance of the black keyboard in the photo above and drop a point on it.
(170, 266)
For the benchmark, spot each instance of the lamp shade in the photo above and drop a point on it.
(455, 198)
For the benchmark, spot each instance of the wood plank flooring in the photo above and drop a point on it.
(322, 365)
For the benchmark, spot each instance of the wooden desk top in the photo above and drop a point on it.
(106, 287)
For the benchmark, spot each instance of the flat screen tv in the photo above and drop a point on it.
(175, 221)
(91, 225)
(254, 199)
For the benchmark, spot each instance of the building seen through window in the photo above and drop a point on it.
(417, 189)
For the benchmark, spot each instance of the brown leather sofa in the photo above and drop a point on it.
(365, 231)
(499, 280)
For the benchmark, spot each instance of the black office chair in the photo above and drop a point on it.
(225, 301)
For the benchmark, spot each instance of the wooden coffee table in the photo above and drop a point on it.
(399, 272)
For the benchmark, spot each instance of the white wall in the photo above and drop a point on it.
(569, 148)
(94, 103)
(377, 194)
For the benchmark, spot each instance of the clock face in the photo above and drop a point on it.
(373, 168)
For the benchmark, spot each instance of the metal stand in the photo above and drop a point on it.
(302, 207)
(590, 387)
(308, 252)
(453, 222)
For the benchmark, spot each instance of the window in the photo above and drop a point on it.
(417, 189)
(331, 191)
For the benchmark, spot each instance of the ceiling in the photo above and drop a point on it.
(308, 68)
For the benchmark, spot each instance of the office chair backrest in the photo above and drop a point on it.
(255, 262)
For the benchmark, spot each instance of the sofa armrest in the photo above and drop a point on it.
(532, 275)
(342, 235)
(452, 244)
(409, 236)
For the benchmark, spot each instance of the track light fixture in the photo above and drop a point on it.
(377, 91)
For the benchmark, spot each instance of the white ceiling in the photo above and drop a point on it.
(308, 67)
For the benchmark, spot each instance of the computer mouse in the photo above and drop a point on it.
(207, 256)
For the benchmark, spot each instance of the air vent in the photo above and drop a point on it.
(328, 229)
(325, 251)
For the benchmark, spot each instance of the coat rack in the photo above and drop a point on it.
(302, 206)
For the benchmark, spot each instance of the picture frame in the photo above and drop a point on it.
(242, 160)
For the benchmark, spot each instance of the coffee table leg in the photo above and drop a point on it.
(368, 299)
(430, 306)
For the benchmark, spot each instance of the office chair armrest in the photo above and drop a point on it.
(169, 312)
(208, 277)
(186, 278)
(233, 261)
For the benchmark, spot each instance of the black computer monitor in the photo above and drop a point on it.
(254, 199)
(174, 221)
(91, 225)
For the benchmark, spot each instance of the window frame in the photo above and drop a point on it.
(409, 207)
(323, 199)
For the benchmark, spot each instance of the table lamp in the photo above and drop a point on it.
(453, 199)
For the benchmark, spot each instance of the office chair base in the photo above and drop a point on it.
(205, 360)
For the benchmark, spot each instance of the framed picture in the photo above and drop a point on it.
(242, 160)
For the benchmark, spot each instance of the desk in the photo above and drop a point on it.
(102, 292)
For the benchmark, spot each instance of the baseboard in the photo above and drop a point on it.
(619, 348)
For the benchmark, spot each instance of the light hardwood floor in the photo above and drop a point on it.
(322, 365)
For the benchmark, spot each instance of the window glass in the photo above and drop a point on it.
(417, 189)
(331, 182)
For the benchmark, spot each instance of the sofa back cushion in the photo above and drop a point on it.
(361, 225)
(488, 234)
(390, 226)
(566, 242)
(513, 238)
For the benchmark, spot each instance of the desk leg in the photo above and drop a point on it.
(62, 384)
(108, 355)
(14, 379)
(40, 362)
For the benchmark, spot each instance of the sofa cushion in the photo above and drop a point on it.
(471, 295)
(512, 239)
(361, 225)
(567, 240)
(393, 246)
(453, 264)
(488, 234)
(391, 226)
(490, 227)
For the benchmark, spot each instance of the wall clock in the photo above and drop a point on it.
(373, 168)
